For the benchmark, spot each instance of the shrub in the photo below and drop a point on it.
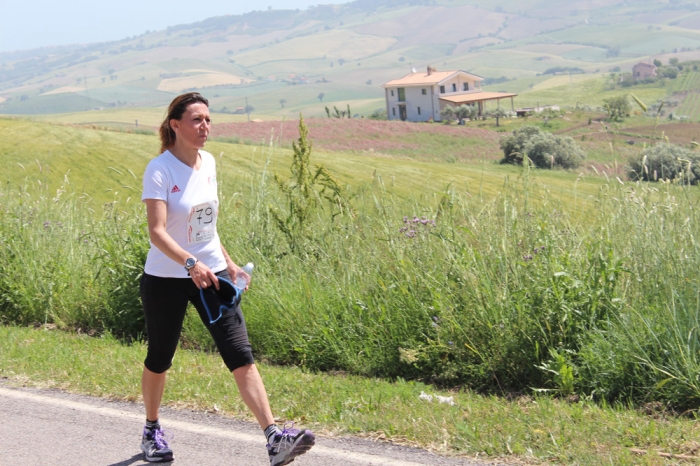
(666, 162)
(545, 150)
(617, 107)
(513, 146)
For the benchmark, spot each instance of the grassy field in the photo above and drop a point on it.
(474, 277)
(48, 153)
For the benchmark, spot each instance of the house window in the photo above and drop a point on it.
(393, 111)
(392, 93)
(418, 110)
(424, 91)
(402, 94)
(442, 89)
(454, 87)
(465, 86)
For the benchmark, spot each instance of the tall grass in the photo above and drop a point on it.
(504, 295)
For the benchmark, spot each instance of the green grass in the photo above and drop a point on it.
(532, 429)
(531, 281)
(37, 153)
(582, 89)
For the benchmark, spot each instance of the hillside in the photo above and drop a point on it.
(286, 61)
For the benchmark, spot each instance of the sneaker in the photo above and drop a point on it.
(155, 445)
(289, 444)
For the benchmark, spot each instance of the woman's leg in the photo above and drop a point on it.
(152, 387)
(164, 304)
(231, 337)
(252, 390)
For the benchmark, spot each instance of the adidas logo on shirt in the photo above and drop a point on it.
(175, 189)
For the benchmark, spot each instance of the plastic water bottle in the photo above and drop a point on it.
(241, 281)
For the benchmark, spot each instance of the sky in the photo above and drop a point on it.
(28, 24)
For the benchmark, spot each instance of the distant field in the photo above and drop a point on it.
(688, 81)
(335, 44)
(690, 104)
(590, 90)
(631, 37)
(348, 54)
(426, 142)
(146, 117)
(65, 89)
(200, 80)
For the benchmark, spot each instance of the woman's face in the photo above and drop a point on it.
(192, 129)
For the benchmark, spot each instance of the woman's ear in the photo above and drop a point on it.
(174, 124)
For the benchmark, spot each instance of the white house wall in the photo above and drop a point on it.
(428, 104)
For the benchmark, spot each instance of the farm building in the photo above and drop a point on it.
(421, 96)
(644, 70)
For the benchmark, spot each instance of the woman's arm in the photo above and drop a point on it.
(157, 215)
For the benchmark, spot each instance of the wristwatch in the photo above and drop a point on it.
(189, 263)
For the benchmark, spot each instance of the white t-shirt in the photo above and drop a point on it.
(192, 204)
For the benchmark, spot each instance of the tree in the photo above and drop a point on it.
(543, 149)
(282, 102)
(657, 62)
(547, 150)
(617, 107)
(513, 146)
(249, 109)
(498, 113)
(548, 114)
(321, 96)
(460, 112)
(669, 72)
(666, 162)
(447, 113)
(673, 61)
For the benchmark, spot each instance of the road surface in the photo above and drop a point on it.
(50, 427)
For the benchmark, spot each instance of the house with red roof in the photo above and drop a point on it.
(422, 96)
(644, 70)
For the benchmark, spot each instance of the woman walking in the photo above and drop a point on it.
(186, 255)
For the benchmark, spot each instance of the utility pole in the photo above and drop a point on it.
(247, 111)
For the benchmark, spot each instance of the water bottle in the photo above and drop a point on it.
(241, 281)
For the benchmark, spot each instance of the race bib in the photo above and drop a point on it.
(201, 224)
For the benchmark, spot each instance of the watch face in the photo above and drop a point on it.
(189, 263)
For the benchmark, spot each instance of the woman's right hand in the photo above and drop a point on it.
(203, 277)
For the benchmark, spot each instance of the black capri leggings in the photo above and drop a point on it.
(164, 305)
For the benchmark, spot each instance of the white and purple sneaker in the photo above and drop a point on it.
(155, 445)
(289, 444)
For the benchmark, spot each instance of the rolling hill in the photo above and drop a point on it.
(288, 61)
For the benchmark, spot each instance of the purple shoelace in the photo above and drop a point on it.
(160, 437)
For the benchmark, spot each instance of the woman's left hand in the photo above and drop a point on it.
(233, 270)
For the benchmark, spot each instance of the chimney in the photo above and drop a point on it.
(430, 70)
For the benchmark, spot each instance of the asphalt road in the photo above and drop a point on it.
(50, 427)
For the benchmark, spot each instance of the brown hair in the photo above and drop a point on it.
(177, 108)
